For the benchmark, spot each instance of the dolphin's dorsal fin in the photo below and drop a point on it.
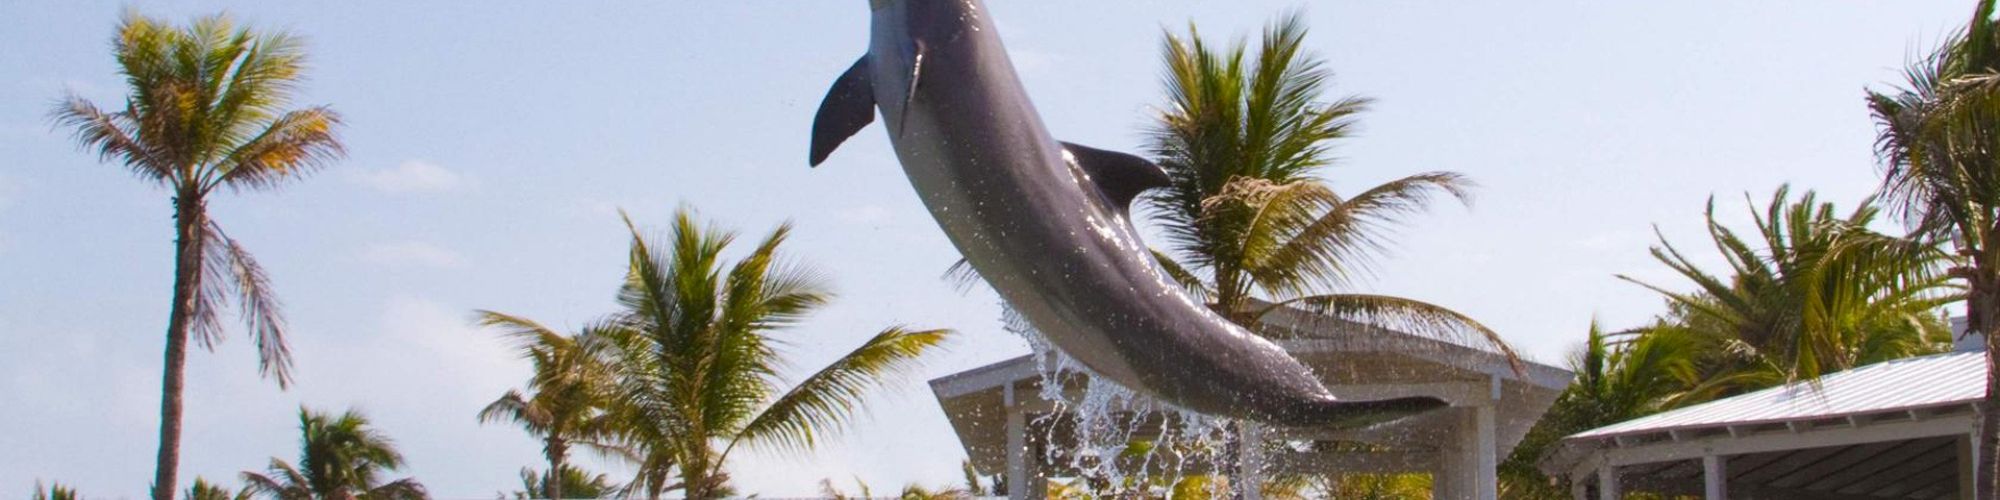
(849, 105)
(1121, 177)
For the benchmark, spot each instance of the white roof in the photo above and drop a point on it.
(1911, 383)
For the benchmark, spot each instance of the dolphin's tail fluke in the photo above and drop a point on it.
(1343, 414)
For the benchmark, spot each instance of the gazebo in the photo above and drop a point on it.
(1004, 423)
(1896, 429)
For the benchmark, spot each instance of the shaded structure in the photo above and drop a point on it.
(1006, 426)
(1896, 429)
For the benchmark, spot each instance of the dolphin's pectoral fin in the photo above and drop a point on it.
(1121, 177)
(849, 105)
(1355, 414)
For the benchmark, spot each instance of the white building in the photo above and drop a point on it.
(1896, 429)
(995, 410)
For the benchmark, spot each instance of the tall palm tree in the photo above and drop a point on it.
(1795, 306)
(340, 458)
(1246, 213)
(697, 363)
(1937, 140)
(207, 111)
(570, 391)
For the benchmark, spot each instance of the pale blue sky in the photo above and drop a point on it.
(491, 143)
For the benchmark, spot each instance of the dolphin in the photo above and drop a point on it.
(1047, 223)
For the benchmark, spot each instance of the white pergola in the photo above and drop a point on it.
(1004, 423)
(1896, 429)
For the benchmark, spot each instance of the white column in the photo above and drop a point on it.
(1023, 482)
(1607, 482)
(1486, 456)
(1249, 463)
(1469, 469)
(1714, 477)
(1968, 465)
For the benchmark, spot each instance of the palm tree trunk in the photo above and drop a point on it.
(695, 476)
(189, 217)
(1981, 312)
(556, 448)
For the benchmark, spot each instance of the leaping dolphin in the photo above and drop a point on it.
(1047, 223)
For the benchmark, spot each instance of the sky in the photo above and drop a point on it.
(491, 145)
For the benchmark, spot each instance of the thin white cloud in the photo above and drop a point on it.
(8, 193)
(461, 367)
(869, 215)
(99, 92)
(1619, 240)
(414, 176)
(412, 253)
(1029, 60)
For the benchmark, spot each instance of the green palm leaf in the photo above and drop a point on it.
(821, 403)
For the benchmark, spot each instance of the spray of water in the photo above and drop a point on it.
(1121, 442)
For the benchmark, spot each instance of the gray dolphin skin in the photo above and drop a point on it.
(1047, 223)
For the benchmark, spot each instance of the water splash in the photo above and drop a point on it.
(1119, 442)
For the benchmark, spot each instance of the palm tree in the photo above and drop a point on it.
(1937, 139)
(340, 458)
(697, 363)
(576, 482)
(206, 111)
(54, 491)
(974, 485)
(1795, 306)
(1619, 376)
(204, 490)
(829, 491)
(571, 389)
(1245, 212)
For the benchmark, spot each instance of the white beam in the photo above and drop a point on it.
(985, 377)
(1456, 393)
(1806, 438)
(1249, 473)
(1607, 483)
(1377, 462)
(1714, 477)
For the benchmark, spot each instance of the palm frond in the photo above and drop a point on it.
(400, 489)
(257, 303)
(823, 402)
(1401, 314)
(1188, 280)
(288, 483)
(516, 408)
(1346, 235)
(113, 136)
(292, 145)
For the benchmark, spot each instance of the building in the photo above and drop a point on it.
(1004, 424)
(1896, 429)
